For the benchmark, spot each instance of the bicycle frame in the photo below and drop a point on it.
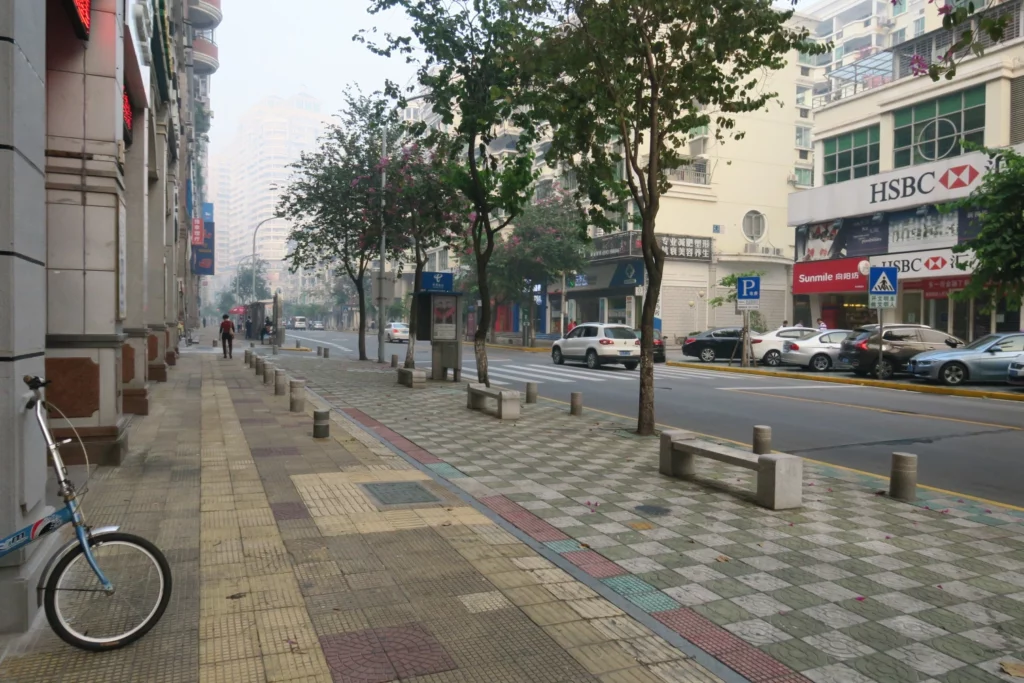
(69, 514)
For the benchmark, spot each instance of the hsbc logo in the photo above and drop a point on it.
(935, 263)
(958, 177)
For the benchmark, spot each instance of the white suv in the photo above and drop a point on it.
(599, 344)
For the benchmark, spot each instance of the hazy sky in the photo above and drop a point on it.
(280, 47)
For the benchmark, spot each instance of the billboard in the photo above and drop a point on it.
(203, 254)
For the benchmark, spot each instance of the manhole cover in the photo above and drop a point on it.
(653, 510)
(400, 493)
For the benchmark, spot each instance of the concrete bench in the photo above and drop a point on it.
(508, 400)
(414, 379)
(779, 475)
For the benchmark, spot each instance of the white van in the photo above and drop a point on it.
(300, 323)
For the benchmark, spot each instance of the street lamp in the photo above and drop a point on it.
(254, 233)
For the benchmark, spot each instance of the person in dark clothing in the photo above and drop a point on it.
(227, 335)
(248, 327)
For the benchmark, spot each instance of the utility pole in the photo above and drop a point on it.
(383, 245)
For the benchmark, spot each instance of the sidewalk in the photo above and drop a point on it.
(297, 559)
(853, 588)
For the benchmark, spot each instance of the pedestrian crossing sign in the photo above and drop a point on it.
(882, 287)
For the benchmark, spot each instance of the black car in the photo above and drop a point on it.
(722, 342)
(659, 346)
(900, 343)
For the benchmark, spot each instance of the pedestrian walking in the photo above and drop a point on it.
(204, 321)
(785, 324)
(248, 327)
(571, 327)
(821, 325)
(227, 336)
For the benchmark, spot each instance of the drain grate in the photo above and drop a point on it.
(652, 510)
(400, 493)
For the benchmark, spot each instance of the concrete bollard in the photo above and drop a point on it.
(576, 403)
(252, 345)
(268, 374)
(280, 382)
(259, 365)
(394, 360)
(327, 352)
(531, 392)
(297, 345)
(273, 350)
(320, 351)
(762, 440)
(903, 477)
(248, 358)
(297, 395)
(214, 343)
(321, 424)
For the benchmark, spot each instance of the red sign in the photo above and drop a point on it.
(81, 13)
(197, 232)
(829, 277)
(958, 176)
(939, 287)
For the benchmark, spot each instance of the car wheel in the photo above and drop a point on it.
(772, 359)
(953, 374)
(821, 363)
(707, 355)
(883, 370)
(556, 357)
(592, 359)
(630, 366)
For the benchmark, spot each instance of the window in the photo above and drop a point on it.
(578, 332)
(726, 334)
(805, 59)
(803, 137)
(619, 333)
(589, 331)
(853, 155)
(918, 26)
(933, 130)
(803, 96)
(804, 176)
(899, 7)
(754, 225)
(898, 37)
(839, 52)
(1011, 345)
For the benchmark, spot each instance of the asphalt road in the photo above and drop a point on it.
(966, 445)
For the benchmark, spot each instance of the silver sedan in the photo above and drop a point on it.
(818, 351)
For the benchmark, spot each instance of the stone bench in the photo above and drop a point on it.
(414, 379)
(508, 400)
(779, 475)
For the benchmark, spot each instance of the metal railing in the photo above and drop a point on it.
(695, 173)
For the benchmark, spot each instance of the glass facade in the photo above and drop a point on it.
(853, 155)
(933, 130)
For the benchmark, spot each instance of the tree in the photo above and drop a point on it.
(472, 70)
(996, 207)
(332, 201)
(729, 283)
(241, 283)
(625, 82)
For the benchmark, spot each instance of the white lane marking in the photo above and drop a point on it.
(320, 341)
(528, 377)
(600, 375)
(470, 379)
(816, 385)
(677, 373)
(546, 371)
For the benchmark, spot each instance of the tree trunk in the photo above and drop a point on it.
(655, 266)
(482, 325)
(494, 327)
(410, 352)
(362, 317)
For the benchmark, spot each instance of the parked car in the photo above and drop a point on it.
(819, 351)
(767, 347)
(659, 346)
(599, 344)
(984, 360)
(900, 343)
(396, 332)
(1015, 373)
(722, 342)
(318, 325)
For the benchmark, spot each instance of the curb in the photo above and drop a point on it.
(510, 347)
(880, 384)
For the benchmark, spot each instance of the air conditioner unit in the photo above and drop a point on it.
(751, 249)
(791, 179)
(766, 250)
(886, 23)
(777, 251)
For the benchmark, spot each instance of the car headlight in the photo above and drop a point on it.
(921, 363)
(1017, 366)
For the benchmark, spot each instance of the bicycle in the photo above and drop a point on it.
(87, 586)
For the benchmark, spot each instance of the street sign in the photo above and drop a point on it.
(748, 293)
(882, 286)
(437, 282)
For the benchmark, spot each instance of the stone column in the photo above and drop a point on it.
(171, 279)
(134, 352)
(85, 230)
(22, 299)
(156, 292)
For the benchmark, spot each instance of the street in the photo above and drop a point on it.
(965, 445)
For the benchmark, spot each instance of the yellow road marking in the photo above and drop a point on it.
(661, 425)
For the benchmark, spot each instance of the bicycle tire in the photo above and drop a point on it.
(99, 645)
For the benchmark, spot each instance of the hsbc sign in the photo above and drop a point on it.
(927, 264)
(905, 188)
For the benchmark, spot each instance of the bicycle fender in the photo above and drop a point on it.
(64, 550)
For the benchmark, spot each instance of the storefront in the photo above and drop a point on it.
(833, 290)
(607, 293)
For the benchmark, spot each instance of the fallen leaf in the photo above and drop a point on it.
(721, 558)
(1015, 669)
(236, 596)
(888, 537)
(859, 598)
(830, 490)
(959, 500)
(939, 587)
(988, 512)
(584, 545)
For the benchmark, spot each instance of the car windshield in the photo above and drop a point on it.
(399, 326)
(983, 342)
(619, 333)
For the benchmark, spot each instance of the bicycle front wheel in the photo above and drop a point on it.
(85, 615)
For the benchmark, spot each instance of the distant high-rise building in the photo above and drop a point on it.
(247, 179)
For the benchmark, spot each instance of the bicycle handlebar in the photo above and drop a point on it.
(35, 383)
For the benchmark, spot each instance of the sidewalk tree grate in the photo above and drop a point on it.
(652, 510)
(400, 493)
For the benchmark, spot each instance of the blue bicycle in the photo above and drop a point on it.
(103, 589)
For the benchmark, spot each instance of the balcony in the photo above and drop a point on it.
(205, 56)
(205, 14)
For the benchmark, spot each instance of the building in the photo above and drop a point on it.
(251, 172)
(887, 151)
(98, 155)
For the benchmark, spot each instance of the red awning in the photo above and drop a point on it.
(237, 310)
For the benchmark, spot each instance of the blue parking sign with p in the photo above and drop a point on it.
(748, 288)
